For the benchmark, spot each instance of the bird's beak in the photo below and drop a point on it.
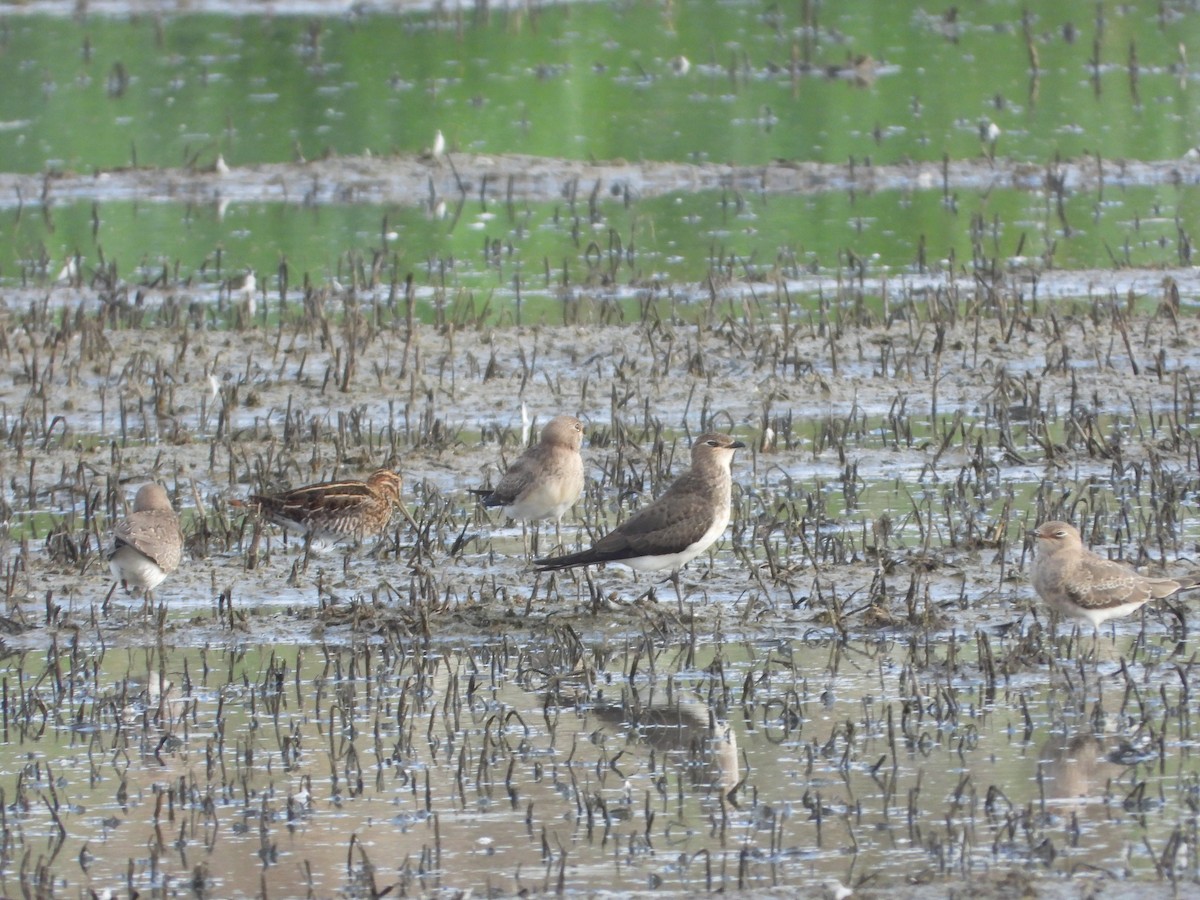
(1033, 533)
(736, 445)
(411, 521)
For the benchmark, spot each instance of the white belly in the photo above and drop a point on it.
(678, 560)
(136, 569)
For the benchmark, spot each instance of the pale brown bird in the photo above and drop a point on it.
(677, 527)
(147, 544)
(546, 480)
(1078, 583)
(334, 510)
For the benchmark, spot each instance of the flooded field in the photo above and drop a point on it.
(938, 308)
(860, 686)
(557, 764)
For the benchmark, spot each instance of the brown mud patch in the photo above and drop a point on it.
(1071, 398)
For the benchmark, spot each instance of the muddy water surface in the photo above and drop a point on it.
(936, 317)
(858, 685)
(558, 763)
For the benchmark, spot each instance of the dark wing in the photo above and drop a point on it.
(674, 521)
(516, 480)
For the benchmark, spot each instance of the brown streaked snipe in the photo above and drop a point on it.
(335, 510)
(147, 544)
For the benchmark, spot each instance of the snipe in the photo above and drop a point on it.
(333, 511)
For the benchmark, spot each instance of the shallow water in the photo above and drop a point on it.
(521, 262)
(592, 82)
(560, 765)
(601, 81)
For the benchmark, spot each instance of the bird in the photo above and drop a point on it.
(1078, 583)
(678, 526)
(546, 480)
(332, 511)
(147, 544)
(989, 134)
(242, 290)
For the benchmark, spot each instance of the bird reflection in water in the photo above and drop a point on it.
(1080, 767)
(684, 730)
(1083, 778)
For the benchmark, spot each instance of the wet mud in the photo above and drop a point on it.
(414, 180)
(987, 407)
(856, 687)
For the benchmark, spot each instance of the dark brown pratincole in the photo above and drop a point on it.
(678, 526)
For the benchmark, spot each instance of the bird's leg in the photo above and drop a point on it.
(308, 548)
(674, 579)
(108, 599)
(252, 550)
(381, 543)
(159, 612)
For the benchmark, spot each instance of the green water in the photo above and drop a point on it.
(655, 241)
(596, 80)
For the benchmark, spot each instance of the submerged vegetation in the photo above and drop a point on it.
(936, 318)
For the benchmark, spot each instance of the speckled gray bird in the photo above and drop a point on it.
(546, 480)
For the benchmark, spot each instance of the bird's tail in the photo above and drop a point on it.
(570, 560)
(486, 496)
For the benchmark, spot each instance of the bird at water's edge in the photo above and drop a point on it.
(147, 544)
(678, 526)
(546, 480)
(1080, 584)
(334, 510)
